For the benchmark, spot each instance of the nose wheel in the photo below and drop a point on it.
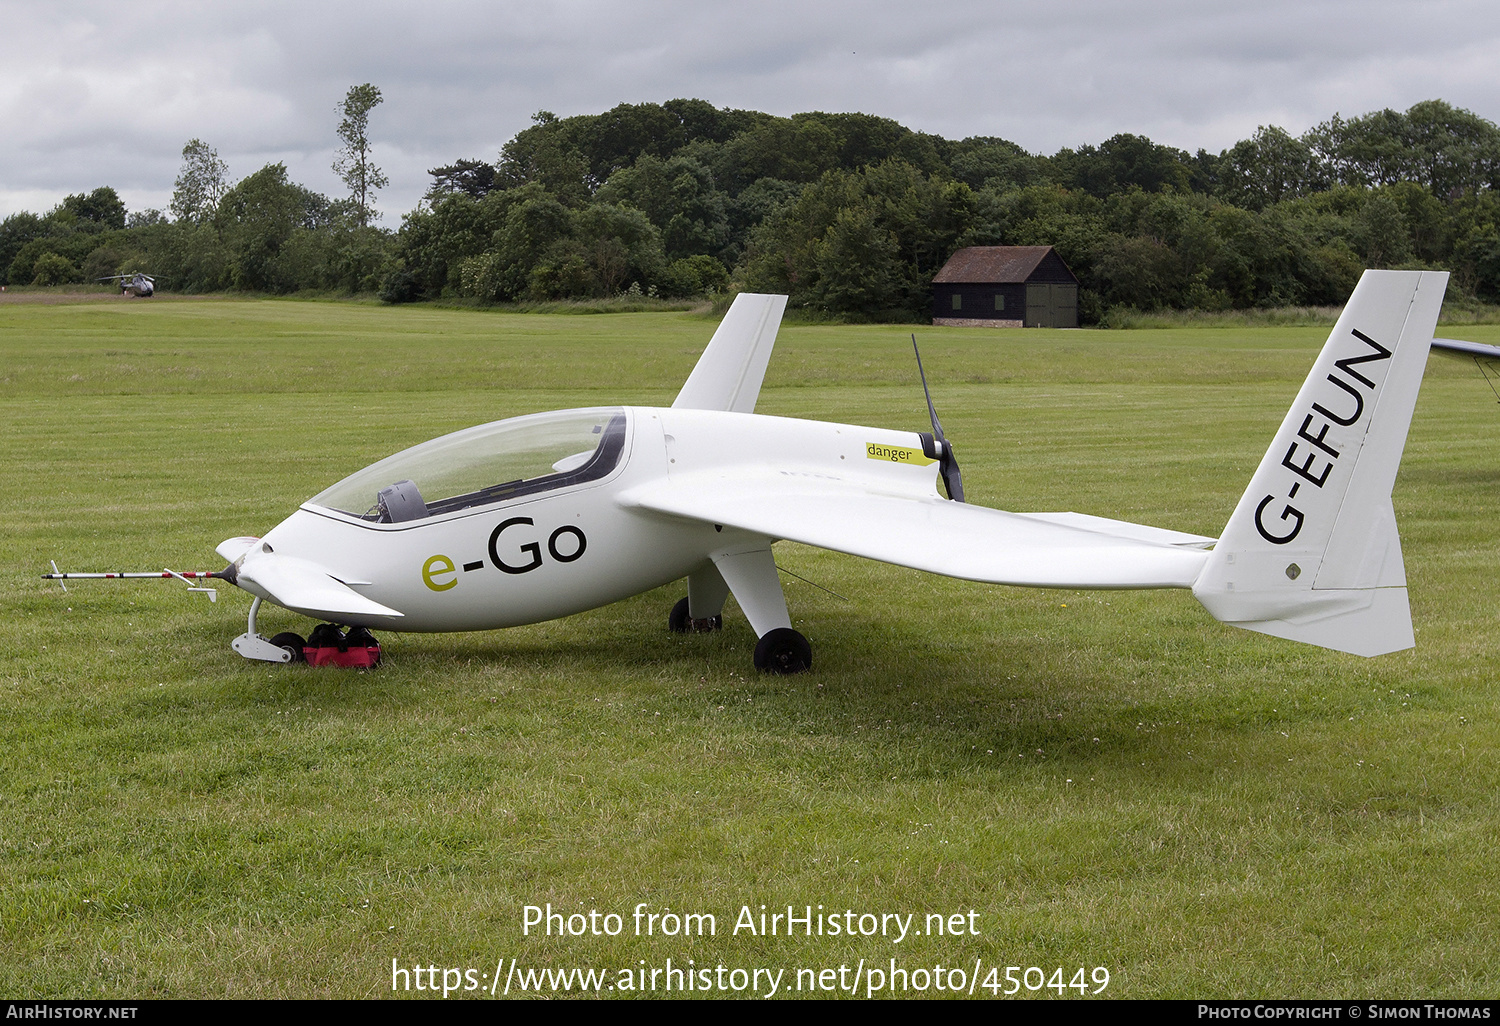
(680, 622)
(293, 643)
(280, 649)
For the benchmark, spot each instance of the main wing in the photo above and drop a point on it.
(1046, 550)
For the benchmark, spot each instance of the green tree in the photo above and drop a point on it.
(1139, 272)
(257, 218)
(434, 242)
(679, 197)
(858, 263)
(544, 154)
(99, 210)
(588, 149)
(1120, 162)
(755, 204)
(620, 246)
(1380, 230)
(471, 177)
(1267, 168)
(694, 276)
(145, 218)
(1475, 258)
(865, 242)
(795, 149)
(1445, 148)
(200, 184)
(193, 257)
(994, 163)
(533, 225)
(16, 231)
(54, 269)
(1453, 150)
(353, 163)
(103, 262)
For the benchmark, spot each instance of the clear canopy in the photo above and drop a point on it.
(483, 465)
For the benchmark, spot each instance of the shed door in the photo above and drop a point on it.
(1065, 306)
(1051, 306)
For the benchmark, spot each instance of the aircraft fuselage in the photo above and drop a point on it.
(543, 555)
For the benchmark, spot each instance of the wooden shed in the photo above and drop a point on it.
(1005, 287)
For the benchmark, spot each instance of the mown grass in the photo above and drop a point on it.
(1107, 778)
(1459, 310)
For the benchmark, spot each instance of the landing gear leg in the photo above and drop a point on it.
(751, 575)
(252, 646)
(702, 610)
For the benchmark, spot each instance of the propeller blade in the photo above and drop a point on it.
(952, 479)
(937, 427)
(942, 449)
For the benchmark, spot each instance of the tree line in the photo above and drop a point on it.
(849, 214)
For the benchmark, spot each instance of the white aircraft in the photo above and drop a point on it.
(538, 517)
(136, 284)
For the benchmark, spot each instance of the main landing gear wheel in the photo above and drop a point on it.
(783, 651)
(680, 622)
(293, 643)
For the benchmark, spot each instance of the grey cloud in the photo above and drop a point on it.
(96, 93)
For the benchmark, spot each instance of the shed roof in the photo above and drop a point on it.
(1001, 264)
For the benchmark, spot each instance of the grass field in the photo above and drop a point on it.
(1107, 779)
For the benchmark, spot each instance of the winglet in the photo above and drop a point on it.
(731, 369)
(1311, 552)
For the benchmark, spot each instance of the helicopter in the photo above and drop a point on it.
(134, 284)
(537, 517)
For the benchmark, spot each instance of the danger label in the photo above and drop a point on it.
(897, 454)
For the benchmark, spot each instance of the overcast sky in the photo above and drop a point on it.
(108, 93)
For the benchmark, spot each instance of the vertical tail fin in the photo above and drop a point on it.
(731, 369)
(1311, 552)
